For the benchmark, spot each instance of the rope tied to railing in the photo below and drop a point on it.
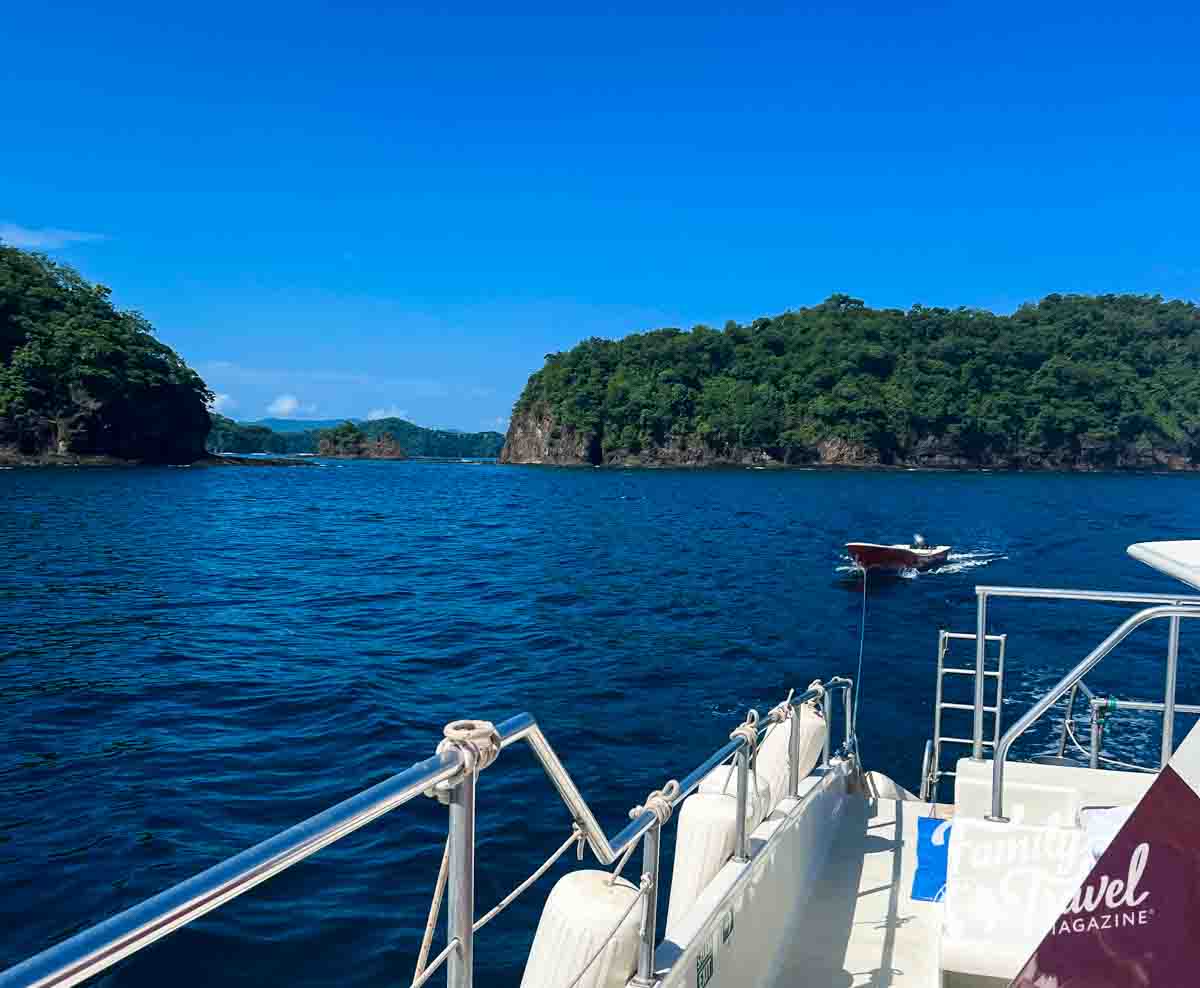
(781, 711)
(747, 730)
(477, 743)
(479, 738)
(658, 802)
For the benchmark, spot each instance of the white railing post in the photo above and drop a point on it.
(980, 665)
(649, 932)
(741, 851)
(794, 751)
(460, 916)
(479, 743)
(848, 708)
(1168, 721)
(828, 711)
(1097, 737)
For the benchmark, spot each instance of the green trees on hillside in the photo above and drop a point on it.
(228, 436)
(78, 375)
(1070, 373)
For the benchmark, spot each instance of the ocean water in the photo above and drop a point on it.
(194, 659)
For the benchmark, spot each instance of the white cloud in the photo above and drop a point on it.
(391, 412)
(288, 406)
(223, 403)
(46, 239)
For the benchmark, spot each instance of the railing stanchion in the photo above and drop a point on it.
(650, 856)
(793, 722)
(848, 707)
(1060, 690)
(1168, 721)
(741, 850)
(460, 913)
(828, 711)
(980, 657)
(1097, 733)
(1062, 741)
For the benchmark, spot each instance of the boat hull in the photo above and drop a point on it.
(896, 558)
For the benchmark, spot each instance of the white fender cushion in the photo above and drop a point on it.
(705, 841)
(580, 912)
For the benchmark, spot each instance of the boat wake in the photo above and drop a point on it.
(960, 562)
(956, 562)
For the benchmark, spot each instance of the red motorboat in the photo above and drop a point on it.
(895, 558)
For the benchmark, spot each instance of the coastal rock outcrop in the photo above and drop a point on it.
(349, 442)
(534, 438)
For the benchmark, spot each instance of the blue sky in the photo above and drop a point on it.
(339, 209)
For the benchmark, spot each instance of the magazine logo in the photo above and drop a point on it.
(1027, 881)
(1109, 903)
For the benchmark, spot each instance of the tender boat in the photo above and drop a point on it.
(795, 865)
(896, 558)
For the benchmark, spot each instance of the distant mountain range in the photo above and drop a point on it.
(303, 436)
(300, 425)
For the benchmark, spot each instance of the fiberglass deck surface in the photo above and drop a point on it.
(861, 928)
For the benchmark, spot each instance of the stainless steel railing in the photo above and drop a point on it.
(88, 953)
(985, 593)
(101, 946)
(1173, 611)
(1101, 707)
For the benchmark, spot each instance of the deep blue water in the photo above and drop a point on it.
(194, 659)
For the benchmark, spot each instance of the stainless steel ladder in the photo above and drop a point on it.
(934, 772)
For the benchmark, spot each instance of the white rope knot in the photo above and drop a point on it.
(658, 803)
(818, 701)
(781, 711)
(748, 730)
(478, 740)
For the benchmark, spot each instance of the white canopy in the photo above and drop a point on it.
(1178, 559)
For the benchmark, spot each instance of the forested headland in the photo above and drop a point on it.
(81, 378)
(1070, 382)
(84, 381)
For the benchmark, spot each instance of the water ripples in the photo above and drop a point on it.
(192, 660)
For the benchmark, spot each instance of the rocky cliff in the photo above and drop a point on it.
(535, 438)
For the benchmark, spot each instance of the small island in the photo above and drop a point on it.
(1073, 382)
(347, 441)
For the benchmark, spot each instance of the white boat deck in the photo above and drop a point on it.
(862, 928)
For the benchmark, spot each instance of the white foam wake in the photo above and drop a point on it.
(957, 562)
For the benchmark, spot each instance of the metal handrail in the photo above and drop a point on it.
(101, 946)
(1064, 684)
(93, 950)
(984, 593)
